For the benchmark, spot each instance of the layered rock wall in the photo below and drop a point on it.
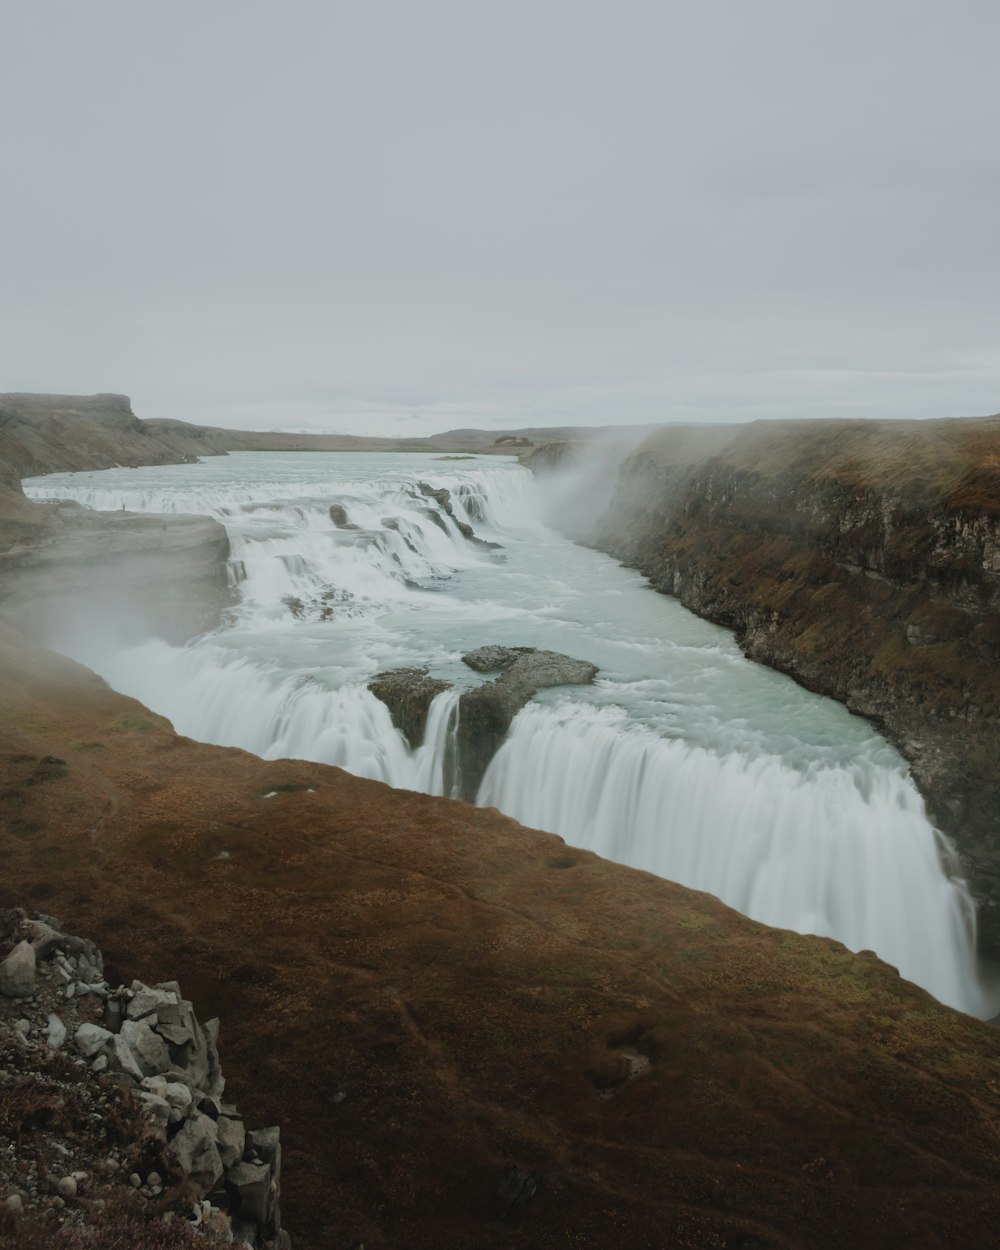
(863, 558)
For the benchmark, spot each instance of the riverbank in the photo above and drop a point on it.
(862, 558)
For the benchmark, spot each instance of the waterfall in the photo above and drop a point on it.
(685, 759)
(844, 852)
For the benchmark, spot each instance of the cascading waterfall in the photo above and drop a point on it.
(843, 852)
(684, 759)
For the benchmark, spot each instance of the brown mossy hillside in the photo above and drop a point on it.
(426, 995)
(863, 558)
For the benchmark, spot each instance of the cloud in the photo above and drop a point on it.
(529, 213)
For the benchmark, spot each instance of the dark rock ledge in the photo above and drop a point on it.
(115, 1098)
(485, 712)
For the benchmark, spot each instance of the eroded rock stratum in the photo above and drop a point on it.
(863, 558)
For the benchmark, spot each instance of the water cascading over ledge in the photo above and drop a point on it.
(671, 763)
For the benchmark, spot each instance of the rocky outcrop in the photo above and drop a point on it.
(66, 569)
(408, 694)
(442, 497)
(130, 575)
(485, 712)
(863, 558)
(66, 433)
(144, 1042)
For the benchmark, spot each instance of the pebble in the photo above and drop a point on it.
(67, 1186)
(14, 1203)
(135, 1180)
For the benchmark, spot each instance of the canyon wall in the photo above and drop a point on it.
(65, 569)
(862, 558)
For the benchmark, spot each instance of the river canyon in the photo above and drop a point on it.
(683, 758)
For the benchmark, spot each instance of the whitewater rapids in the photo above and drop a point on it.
(684, 759)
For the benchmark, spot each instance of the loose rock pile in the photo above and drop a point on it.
(120, 1085)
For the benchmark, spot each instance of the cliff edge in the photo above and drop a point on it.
(862, 558)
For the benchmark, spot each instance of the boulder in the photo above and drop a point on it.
(408, 694)
(90, 1038)
(197, 1153)
(56, 1031)
(231, 1139)
(45, 940)
(253, 1183)
(175, 1021)
(147, 1002)
(150, 1051)
(338, 515)
(179, 1097)
(17, 972)
(122, 1058)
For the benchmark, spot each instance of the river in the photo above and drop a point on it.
(684, 758)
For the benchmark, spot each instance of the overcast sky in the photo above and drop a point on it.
(401, 216)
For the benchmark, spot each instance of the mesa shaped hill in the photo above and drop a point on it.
(448, 1013)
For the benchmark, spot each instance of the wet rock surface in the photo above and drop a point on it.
(104, 1089)
(442, 497)
(485, 712)
(408, 694)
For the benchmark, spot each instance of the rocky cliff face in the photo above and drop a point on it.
(65, 433)
(64, 567)
(863, 559)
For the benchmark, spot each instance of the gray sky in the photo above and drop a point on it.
(400, 216)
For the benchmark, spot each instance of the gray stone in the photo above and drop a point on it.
(56, 1031)
(66, 1186)
(266, 1142)
(175, 1021)
(44, 939)
(252, 1181)
(179, 1098)
(17, 972)
(90, 1038)
(147, 1002)
(123, 1059)
(14, 1203)
(197, 1153)
(231, 1138)
(150, 1051)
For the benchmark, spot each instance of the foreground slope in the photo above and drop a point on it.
(424, 994)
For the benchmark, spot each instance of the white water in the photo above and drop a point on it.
(683, 759)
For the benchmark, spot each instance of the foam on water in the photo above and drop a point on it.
(683, 759)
